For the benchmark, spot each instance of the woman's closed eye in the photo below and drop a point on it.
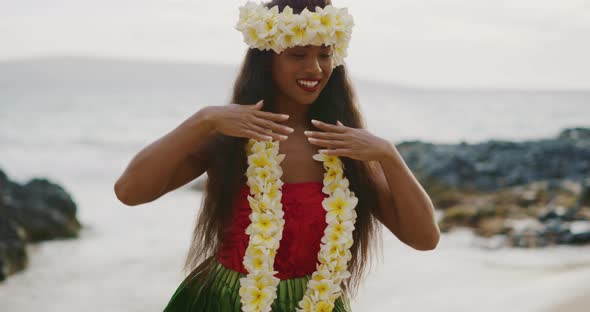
(301, 56)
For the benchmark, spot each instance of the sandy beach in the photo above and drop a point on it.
(579, 303)
(129, 259)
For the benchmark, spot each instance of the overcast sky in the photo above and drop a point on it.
(436, 43)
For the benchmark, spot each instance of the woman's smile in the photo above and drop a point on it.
(309, 85)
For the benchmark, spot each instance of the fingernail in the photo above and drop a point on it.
(314, 121)
(290, 129)
(307, 132)
(285, 116)
(284, 137)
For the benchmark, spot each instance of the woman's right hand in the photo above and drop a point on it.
(248, 121)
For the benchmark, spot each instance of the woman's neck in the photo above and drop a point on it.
(298, 113)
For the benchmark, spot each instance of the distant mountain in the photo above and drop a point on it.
(104, 73)
(107, 73)
(111, 74)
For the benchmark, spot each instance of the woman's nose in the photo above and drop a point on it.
(313, 65)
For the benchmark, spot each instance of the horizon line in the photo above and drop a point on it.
(397, 84)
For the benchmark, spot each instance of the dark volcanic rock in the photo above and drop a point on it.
(13, 256)
(44, 209)
(496, 164)
(533, 193)
(39, 210)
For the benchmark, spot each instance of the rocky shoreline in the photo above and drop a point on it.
(533, 193)
(37, 211)
(522, 194)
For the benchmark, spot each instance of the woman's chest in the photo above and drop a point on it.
(298, 165)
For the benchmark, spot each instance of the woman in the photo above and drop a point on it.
(305, 101)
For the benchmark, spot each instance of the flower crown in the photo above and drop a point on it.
(267, 29)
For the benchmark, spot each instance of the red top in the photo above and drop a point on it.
(302, 234)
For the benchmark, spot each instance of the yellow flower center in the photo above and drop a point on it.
(338, 228)
(338, 206)
(326, 21)
(270, 24)
(322, 289)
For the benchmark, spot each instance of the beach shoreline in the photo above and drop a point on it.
(130, 258)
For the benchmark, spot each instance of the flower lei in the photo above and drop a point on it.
(258, 287)
(267, 29)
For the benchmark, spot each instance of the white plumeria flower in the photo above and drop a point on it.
(266, 203)
(339, 53)
(254, 204)
(329, 252)
(324, 306)
(257, 251)
(332, 251)
(286, 17)
(333, 174)
(323, 289)
(327, 18)
(262, 173)
(328, 160)
(306, 305)
(313, 18)
(267, 25)
(271, 190)
(261, 279)
(260, 160)
(262, 146)
(339, 206)
(337, 265)
(264, 223)
(322, 272)
(286, 39)
(345, 227)
(342, 275)
(332, 237)
(256, 299)
(298, 28)
(256, 263)
(251, 37)
(266, 241)
(267, 29)
(345, 18)
(341, 183)
(261, 185)
(248, 12)
(341, 35)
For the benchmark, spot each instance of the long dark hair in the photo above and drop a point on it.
(225, 175)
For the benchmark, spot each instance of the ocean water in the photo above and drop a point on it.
(79, 122)
(84, 117)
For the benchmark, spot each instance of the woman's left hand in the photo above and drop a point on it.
(354, 143)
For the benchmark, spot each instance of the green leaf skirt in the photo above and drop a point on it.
(218, 291)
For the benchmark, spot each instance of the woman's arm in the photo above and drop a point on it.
(404, 206)
(171, 161)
